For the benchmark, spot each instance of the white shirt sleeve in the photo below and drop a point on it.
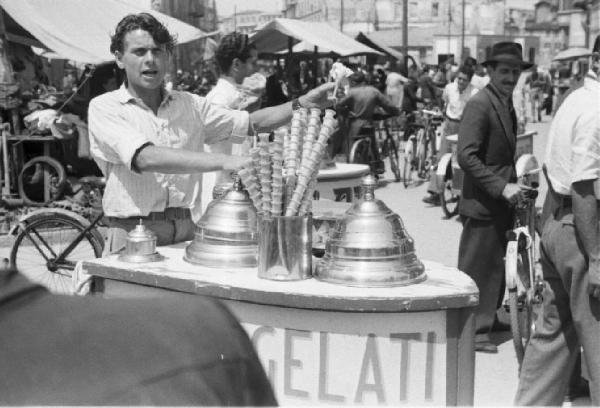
(221, 123)
(585, 150)
(112, 137)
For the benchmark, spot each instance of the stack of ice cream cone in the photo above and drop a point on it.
(283, 174)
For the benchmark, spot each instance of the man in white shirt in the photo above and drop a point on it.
(149, 142)
(237, 58)
(455, 97)
(570, 253)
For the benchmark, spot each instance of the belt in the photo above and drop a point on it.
(564, 201)
(169, 214)
(452, 119)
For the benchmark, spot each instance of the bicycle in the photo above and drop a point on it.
(369, 149)
(420, 149)
(524, 280)
(39, 181)
(50, 241)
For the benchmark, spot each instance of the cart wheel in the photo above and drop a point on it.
(40, 176)
(449, 199)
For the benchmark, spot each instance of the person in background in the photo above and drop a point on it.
(486, 154)
(237, 59)
(480, 77)
(357, 109)
(454, 97)
(169, 351)
(570, 253)
(149, 142)
(427, 88)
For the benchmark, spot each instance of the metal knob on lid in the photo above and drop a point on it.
(227, 233)
(370, 246)
(140, 246)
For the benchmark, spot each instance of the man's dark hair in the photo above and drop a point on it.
(232, 46)
(467, 70)
(470, 61)
(142, 21)
(357, 78)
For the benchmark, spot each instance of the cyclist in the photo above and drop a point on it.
(357, 109)
(455, 97)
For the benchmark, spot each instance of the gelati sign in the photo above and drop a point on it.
(338, 359)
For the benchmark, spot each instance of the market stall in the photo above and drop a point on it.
(333, 295)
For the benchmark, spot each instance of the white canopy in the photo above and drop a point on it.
(273, 37)
(80, 30)
(572, 53)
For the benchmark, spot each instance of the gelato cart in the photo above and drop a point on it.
(366, 323)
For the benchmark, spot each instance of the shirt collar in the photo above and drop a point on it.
(125, 96)
(229, 83)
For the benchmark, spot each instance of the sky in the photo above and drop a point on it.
(225, 7)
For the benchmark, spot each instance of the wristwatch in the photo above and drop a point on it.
(296, 104)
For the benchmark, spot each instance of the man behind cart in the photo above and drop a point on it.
(148, 141)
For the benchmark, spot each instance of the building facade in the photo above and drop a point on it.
(246, 21)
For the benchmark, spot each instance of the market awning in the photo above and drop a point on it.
(80, 30)
(273, 37)
(572, 53)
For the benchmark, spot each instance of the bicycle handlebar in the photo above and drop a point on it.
(432, 112)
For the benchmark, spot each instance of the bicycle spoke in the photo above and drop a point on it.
(35, 244)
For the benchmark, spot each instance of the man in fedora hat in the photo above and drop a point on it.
(569, 252)
(486, 150)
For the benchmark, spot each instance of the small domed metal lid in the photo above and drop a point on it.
(141, 233)
(370, 246)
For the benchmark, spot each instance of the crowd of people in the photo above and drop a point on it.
(149, 140)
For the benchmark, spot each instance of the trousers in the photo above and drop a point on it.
(571, 319)
(169, 230)
(481, 256)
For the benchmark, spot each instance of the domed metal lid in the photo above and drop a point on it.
(227, 233)
(370, 246)
(141, 233)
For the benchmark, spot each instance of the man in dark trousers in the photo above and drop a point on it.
(486, 151)
(569, 253)
(172, 351)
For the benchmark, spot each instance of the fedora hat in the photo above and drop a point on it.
(509, 52)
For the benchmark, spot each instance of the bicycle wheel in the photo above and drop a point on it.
(42, 241)
(449, 199)
(360, 152)
(409, 157)
(519, 308)
(421, 156)
(393, 155)
(34, 176)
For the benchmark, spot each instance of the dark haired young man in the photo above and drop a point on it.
(149, 142)
(236, 57)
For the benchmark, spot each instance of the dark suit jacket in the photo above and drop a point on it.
(180, 350)
(486, 151)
